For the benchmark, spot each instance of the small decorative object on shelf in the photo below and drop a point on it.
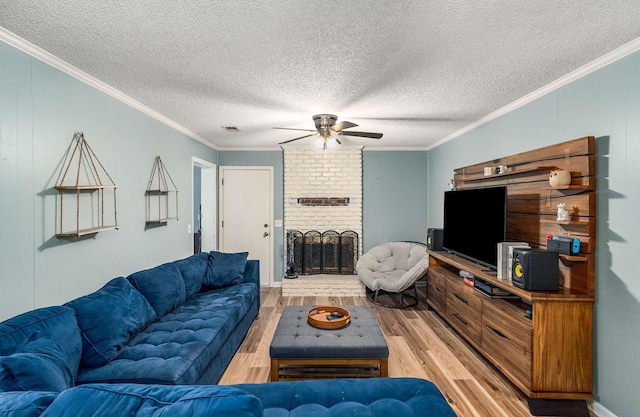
(158, 195)
(563, 215)
(84, 177)
(559, 177)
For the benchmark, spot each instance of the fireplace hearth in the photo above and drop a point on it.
(327, 252)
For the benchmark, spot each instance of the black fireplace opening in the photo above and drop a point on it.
(328, 252)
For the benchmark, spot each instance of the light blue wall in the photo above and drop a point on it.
(273, 159)
(604, 104)
(394, 197)
(40, 109)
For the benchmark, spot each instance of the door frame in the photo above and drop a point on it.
(205, 166)
(221, 170)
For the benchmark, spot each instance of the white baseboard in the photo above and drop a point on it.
(276, 284)
(600, 410)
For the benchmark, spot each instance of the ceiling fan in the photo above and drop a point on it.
(328, 132)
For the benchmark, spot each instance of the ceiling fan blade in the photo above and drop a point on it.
(291, 140)
(362, 134)
(342, 125)
(289, 128)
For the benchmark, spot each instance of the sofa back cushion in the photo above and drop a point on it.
(162, 286)
(58, 324)
(225, 269)
(193, 270)
(39, 366)
(96, 400)
(25, 404)
(108, 318)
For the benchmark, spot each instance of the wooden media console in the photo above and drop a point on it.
(541, 341)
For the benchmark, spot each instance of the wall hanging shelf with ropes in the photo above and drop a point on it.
(160, 191)
(85, 188)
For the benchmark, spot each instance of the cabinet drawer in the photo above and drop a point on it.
(436, 291)
(510, 321)
(438, 276)
(506, 354)
(436, 296)
(460, 292)
(464, 318)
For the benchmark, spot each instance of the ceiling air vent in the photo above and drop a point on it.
(231, 128)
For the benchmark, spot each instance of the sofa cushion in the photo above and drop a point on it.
(39, 366)
(162, 286)
(25, 403)
(193, 270)
(225, 269)
(58, 324)
(108, 318)
(374, 397)
(154, 401)
(178, 348)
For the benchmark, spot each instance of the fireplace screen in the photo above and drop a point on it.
(329, 252)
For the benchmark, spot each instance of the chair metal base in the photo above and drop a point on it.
(373, 296)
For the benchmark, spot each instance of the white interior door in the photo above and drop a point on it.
(246, 202)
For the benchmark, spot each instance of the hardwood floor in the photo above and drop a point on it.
(420, 345)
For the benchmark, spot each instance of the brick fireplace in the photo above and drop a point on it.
(323, 201)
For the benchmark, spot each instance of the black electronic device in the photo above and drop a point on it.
(434, 239)
(475, 222)
(490, 289)
(563, 245)
(535, 270)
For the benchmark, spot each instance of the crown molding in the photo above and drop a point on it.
(52, 60)
(396, 148)
(253, 149)
(587, 69)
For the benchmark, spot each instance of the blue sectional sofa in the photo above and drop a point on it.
(399, 397)
(155, 342)
(176, 324)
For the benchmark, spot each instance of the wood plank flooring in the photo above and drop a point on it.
(420, 345)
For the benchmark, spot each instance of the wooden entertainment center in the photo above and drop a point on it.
(541, 341)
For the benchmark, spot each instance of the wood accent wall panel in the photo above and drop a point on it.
(532, 202)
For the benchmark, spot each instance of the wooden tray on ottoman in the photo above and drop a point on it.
(317, 317)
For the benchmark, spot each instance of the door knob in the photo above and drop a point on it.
(265, 234)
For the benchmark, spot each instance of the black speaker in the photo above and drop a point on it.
(535, 270)
(434, 239)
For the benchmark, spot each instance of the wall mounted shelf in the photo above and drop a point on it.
(565, 222)
(83, 181)
(510, 172)
(160, 191)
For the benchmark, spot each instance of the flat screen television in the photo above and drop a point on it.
(475, 222)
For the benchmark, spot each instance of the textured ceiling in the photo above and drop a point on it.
(414, 70)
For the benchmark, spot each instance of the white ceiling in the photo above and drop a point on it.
(416, 71)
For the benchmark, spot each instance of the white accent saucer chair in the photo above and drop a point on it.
(391, 270)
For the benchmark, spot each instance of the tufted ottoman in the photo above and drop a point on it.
(300, 351)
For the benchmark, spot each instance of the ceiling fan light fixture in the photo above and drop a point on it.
(332, 143)
(319, 142)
